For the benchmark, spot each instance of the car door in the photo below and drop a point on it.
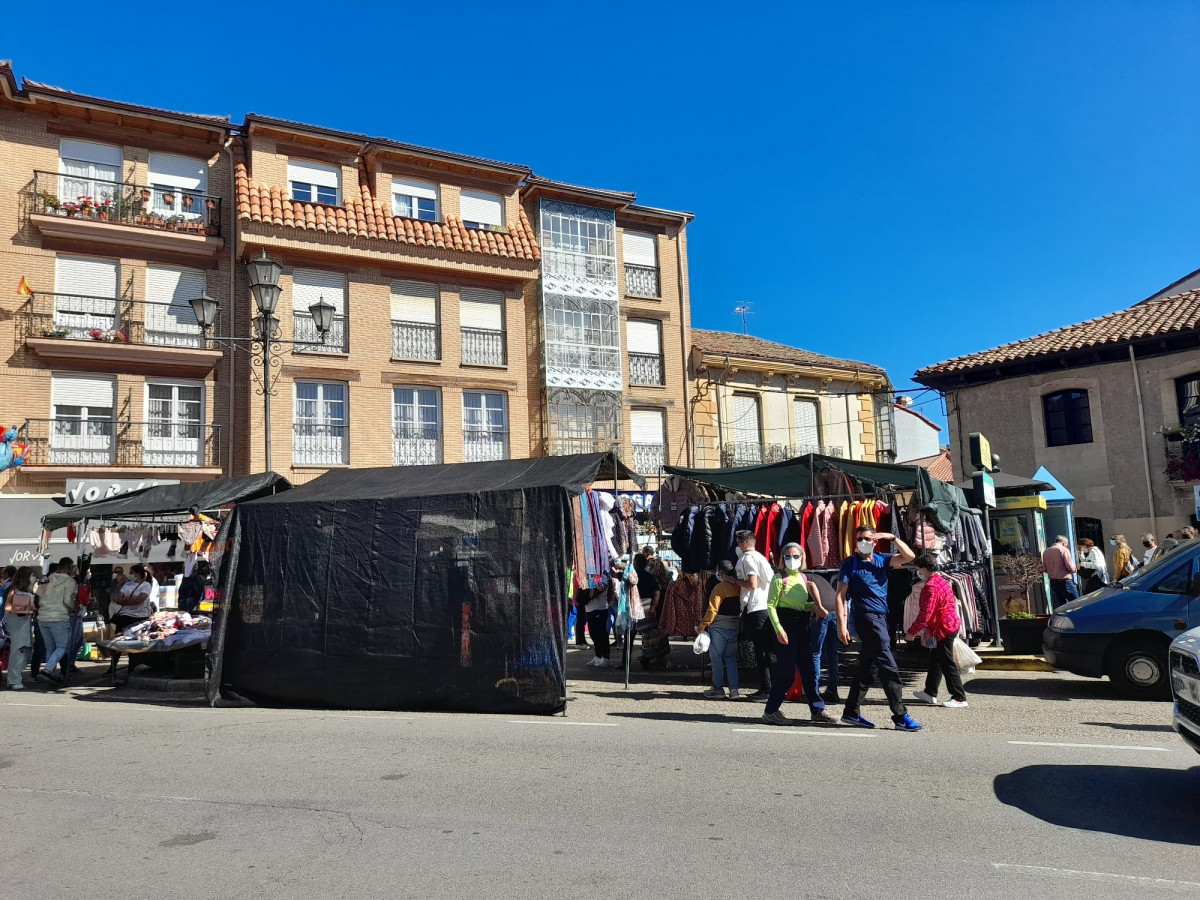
(1175, 590)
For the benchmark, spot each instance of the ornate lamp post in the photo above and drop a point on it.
(264, 344)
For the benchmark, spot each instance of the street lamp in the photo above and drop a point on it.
(265, 344)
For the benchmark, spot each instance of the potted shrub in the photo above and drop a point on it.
(48, 203)
(1022, 633)
(1020, 630)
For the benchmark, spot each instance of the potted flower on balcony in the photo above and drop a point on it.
(146, 194)
(72, 209)
(187, 201)
(53, 331)
(87, 207)
(103, 209)
(169, 198)
(48, 203)
(109, 336)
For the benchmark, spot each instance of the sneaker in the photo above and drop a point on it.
(926, 698)
(758, 696)
(821, 717)
(714, 694)
(597, 662)
(776, 718)
(16, 687)
(857, 722)
(46, 676)
(955, 704)
(907, 724)
(832, 698)
(734, 695)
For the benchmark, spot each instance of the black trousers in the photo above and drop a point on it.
(941, 662)
(757, 627)
(794, 656)
(597, 622)
(875, 658)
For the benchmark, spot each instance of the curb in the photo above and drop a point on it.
(1013, 664)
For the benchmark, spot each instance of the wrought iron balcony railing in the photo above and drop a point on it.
(79, 317)
(127, 203)
(648, 459)
(109, 442)
(484, 347)
(1183, 458)
(750, 454)
(416, 340)
(641, 281)
(645, 369)
(337, 341)
(413, 446)
(482, 446)
(320, 444)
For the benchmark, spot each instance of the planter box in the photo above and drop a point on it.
(1023, 636)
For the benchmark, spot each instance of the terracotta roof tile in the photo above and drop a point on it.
(744, 345)
(1170, 315)
(940, 467)
(364, 216)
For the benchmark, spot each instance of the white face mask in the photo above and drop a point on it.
(792, 564)
(865, 547)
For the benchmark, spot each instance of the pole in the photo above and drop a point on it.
(997, 641)
(1137, 387)
(268, 323)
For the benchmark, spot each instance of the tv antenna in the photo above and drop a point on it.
(743, 310)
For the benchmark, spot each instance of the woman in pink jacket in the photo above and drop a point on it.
(939, 620)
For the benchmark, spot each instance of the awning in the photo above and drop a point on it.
(169, 499)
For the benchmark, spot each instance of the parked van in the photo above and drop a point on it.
(1185, 685)
(1124, 630)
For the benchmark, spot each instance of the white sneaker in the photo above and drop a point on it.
(955, 704)
(714, 694)
(925, 698)
(734, 695)
(597, 663)
(16, 687)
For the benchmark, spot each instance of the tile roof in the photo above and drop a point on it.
(365, 216)
(1155, 318)
(736, 344)
(940, 467)
(39, 87)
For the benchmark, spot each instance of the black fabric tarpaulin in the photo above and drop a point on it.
(168, 499)
(420, 587)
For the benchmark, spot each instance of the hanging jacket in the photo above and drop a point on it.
(681, 535)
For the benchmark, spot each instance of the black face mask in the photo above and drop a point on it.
(1146, 544)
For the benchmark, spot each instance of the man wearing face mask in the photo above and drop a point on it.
(1152, 550)
(754, 576)
(864, 579)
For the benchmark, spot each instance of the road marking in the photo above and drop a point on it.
(1091, 746)
(806, 732)
(1099, 876)
(554, 722)
(387, 718)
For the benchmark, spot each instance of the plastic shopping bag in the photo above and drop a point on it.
(964, 657)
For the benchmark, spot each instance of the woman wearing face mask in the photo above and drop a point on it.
(940, 620)
(1093, 570)
(790, 606)
(1122, 556)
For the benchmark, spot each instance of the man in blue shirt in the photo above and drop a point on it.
(864, 579)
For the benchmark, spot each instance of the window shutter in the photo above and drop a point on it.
(480, 308)
(639, 249)
(173, 286)
(744, 409)
(414, 301)
(90, 151)
(83, 390)
(646, 426)
(644, 336)
(310, 285)
(85, 276)
(807, 432)
(406, 187)
(179, 171)
(314, 173)
(481, 207)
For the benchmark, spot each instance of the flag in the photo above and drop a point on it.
(23, 288)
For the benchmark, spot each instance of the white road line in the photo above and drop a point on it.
(385, 718)
(1091, 746)
(1100, 876)
(807, 732)
(555, 722)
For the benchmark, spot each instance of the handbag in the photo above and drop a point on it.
(928, 641)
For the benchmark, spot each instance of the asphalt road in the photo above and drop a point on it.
(1046, 787)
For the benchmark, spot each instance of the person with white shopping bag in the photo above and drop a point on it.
(939, 622)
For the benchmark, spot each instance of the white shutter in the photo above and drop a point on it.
(313, 173)
(643, 336)
(174, 286)
(85, 276)
(414, 301)
(807, 433)
(310, 285)
(744, 419)
(407, 188)
(646, 426)
(639, 249)
(83, 390)
(481, 207)
(179, 171)
(480, 308)
(90, 151)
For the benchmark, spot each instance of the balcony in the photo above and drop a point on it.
(483, 347)
(645, 369)
(65, 448)
(415, 340)
(642, 281)
(648, 459)
(1183, 459)
(416, 447)
(484, 446)
(320, 444)
(750, 454)
(77, 330)
(337, 342)
(70, 211)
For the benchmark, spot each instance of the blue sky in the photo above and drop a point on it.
(892, 182)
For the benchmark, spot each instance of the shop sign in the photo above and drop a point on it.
(1033, 501)
(981, 452)
(641, 502)
(985, 489)
(89, 491)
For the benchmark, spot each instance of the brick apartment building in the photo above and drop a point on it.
(480, 311)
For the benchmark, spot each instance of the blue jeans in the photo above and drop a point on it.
(822, 637)
(722, 651)
(1063, 591)
(57, 636)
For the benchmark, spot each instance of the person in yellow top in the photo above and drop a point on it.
(721, 619)
(790, 606)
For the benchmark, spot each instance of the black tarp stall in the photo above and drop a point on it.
(420, 587)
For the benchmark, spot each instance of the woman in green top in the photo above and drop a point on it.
(790, 605)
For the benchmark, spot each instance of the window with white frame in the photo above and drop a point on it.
(481, 321)
(480, 209)
(314, 182)
(180, 184)
(415, 333)
(640, 256)
(85, 297)
(83, 428)
(807, 427)
(310, 286)
(174, 432)
(321, 424)
(416, 426)
(745, 427)
(88, 169)
(648, 434)
(644, 340)
(413, 199)
(169, 320)
(485, 426)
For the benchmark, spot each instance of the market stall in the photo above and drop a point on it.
(420, 587)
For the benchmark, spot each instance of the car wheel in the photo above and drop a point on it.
(1138, 669)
